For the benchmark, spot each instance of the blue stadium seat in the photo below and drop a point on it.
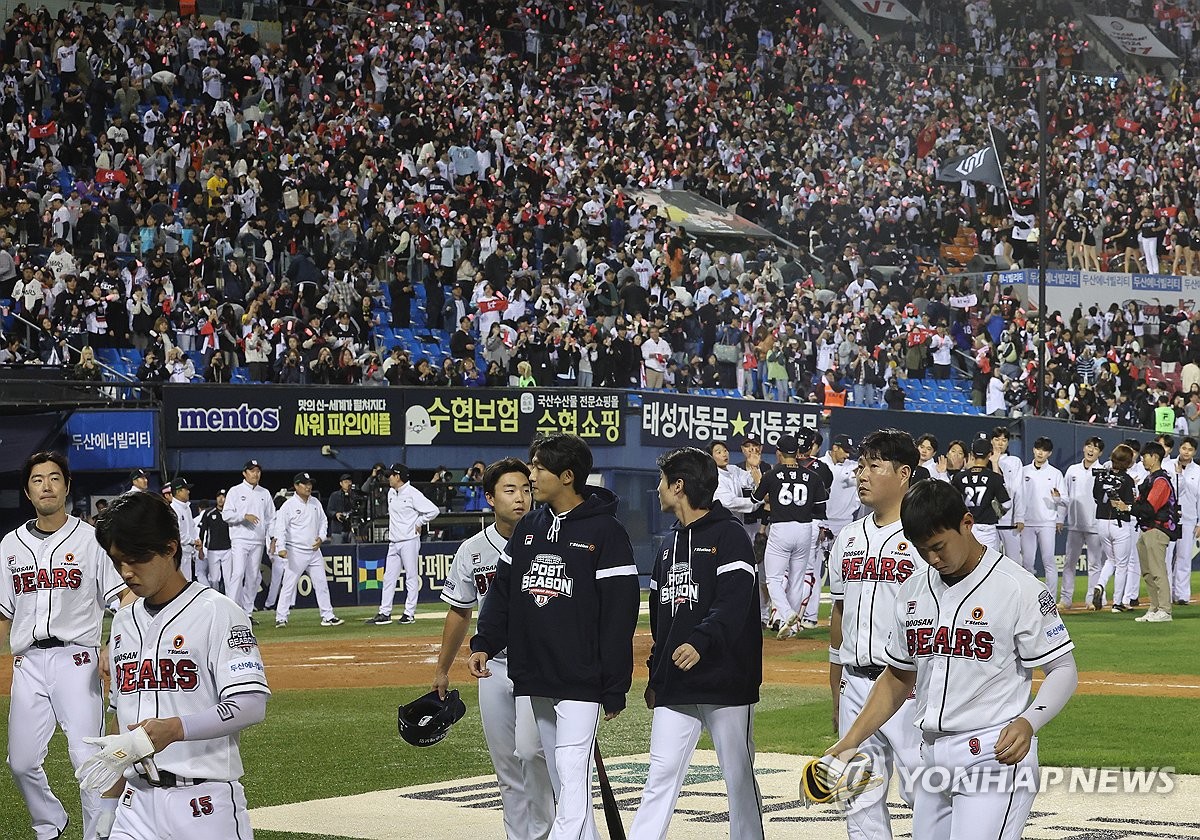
(240, 375)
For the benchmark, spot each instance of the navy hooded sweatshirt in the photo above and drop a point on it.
(704, 593)
(565, 603)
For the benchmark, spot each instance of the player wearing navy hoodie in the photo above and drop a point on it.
(706, 660)
(565, 603)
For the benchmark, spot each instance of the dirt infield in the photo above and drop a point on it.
(360, 663)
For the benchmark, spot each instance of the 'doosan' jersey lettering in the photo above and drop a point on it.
(974, 644)
(867, 565)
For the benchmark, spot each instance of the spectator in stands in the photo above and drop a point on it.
(217, 371)
(179, 367)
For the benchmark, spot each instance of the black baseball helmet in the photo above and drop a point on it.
(426, 720)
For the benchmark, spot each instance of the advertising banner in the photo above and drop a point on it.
(112, 440)
(1133, 38)
(511, 417)
(682, 419)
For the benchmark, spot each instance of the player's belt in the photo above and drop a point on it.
(167, 779)
(46, 644)
(871, 672)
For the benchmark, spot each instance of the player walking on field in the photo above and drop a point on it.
(214, 535)
(706, 659)
(1009, 467)
(983, 493)
(966, 633)
(1040, 511)
(526, 793)
(564, 603)
(189, 532)
(187, 678)
(1082, 529)
(249, 512)
(869, 561)
(54, 584)
(299, 530)
(1184, 473)
(408, 512)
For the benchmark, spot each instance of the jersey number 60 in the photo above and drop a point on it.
(793, 494)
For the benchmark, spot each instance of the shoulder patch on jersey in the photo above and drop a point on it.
(1053, 632)
(242, 637)
(1046, 603)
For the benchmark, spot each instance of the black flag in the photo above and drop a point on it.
(977, 166)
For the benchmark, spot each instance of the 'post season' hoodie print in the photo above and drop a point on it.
(565, 603)
(704, 593)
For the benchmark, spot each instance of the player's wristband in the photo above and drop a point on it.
(835, 656)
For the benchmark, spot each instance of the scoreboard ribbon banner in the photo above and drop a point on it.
(680, 419)
(112, 440)
(507, 417)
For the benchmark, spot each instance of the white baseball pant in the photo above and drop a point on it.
(192, 566)
(302, 559)
(526, 792)
(244, 575)
(673, 738)
(987, 535)
(1076, 542)
(790, 547)
(568, 731)
(1179, 560)
(207, 811)
(897, 742)
(1010, 541)
(401, 556)
(56, 685)
(1120, 560)
(1150, 253)
(818, 566)
(1039, 540)
(964, 793)
(220, 566)
(278, 566)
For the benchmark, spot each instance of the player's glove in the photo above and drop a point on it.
(117, 754)
(829, 779)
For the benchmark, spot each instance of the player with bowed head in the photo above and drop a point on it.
(187, 679)
(564, 603)
(706, 658)
(870, 559)
(54, 584)
(509, 727)
(966, 632)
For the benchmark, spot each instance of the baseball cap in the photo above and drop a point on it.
(56, 197)
(302, 478)
(805, 438)
(251, 464)
(138, 474)
(787, 444)
(345, 477)
(179, 484)
(398, 469)
(844, 441)
(752, 439)
(981, 448)
(222, 492)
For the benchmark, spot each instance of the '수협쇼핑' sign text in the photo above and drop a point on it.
(500, 417)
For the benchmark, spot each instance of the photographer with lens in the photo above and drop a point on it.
(340, 510)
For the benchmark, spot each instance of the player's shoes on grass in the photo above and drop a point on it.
(406, 619)
(1063, 606)
(379, 619)
(788, 628)
(808, 625)
(280, 623)
(1180, 603)
(331, 622)
(1154, 616)
(1119, 608)
(1097, 597)
(1134, 603)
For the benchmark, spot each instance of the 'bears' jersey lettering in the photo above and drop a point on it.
(160, 675)
(877, 568)
(47, 579)
(940, 641)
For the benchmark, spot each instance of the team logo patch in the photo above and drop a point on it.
(902, 546)
(69, 558)
(242, 637)
(912, 607)
(1046, 603)
(117, 642)
(127, 799)
(977, 613)
(547, 578)
(17, 661)
(177, 642)
(679, 588)
(529, 539)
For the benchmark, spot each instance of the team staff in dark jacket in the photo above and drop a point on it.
(706, 659)
(214, 534)
(564, 602)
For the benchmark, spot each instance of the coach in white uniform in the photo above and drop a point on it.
(842, 507)
(186, 671)
(1009, 467)
(869, 561)
(967, 631)
(1185, 475)
(189, 532)
(408, 512)
(249, 512)
(1041, 512)
(1082, 528)
(299, 530)
(509, 727)
(139, 480)
(54, 583)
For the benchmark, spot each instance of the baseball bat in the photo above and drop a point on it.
(612, 814)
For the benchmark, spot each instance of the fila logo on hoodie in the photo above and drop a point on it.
(547, 578)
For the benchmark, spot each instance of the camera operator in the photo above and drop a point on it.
(472, 489)
(376, 490)
(340, 510)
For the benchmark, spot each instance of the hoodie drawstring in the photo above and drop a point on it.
(555, 525)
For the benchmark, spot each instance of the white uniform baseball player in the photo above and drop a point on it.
(189, 532)
(249, 512)
(1082, 528)
(842, 507)
(139, 480)
(299, 529)
(967, 632)
(526, 793)
(869, 561)
(1009, 467)
(1040, 512)
(188, 677)
(54, 583)
(408, 512)
(1185, 475)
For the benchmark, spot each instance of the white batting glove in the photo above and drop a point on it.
(117, 754)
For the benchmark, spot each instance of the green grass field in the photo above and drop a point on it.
(337, 742)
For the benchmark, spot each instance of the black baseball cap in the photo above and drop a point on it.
(138, 474)
(753, 439)
(221, 492)
(251, 464)
(846, 442)
(345, 477)
(981, 448)
(787, 445)
(805, 438)
(180, 483)
(302, 478)
(400, 470)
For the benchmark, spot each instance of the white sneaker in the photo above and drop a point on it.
(1159, 616)
(787, 629)
(1148, 615)
(808, 625)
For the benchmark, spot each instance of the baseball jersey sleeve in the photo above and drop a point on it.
(1019, 500)
(234, 657)
(837, 584)
(322, 524)
(896, 651)
(459, 590)
(1040, 633)
(109, 583)
(279, 527)
(8, 595)
(271, 516)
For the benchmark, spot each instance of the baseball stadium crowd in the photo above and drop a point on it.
(223, 208)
